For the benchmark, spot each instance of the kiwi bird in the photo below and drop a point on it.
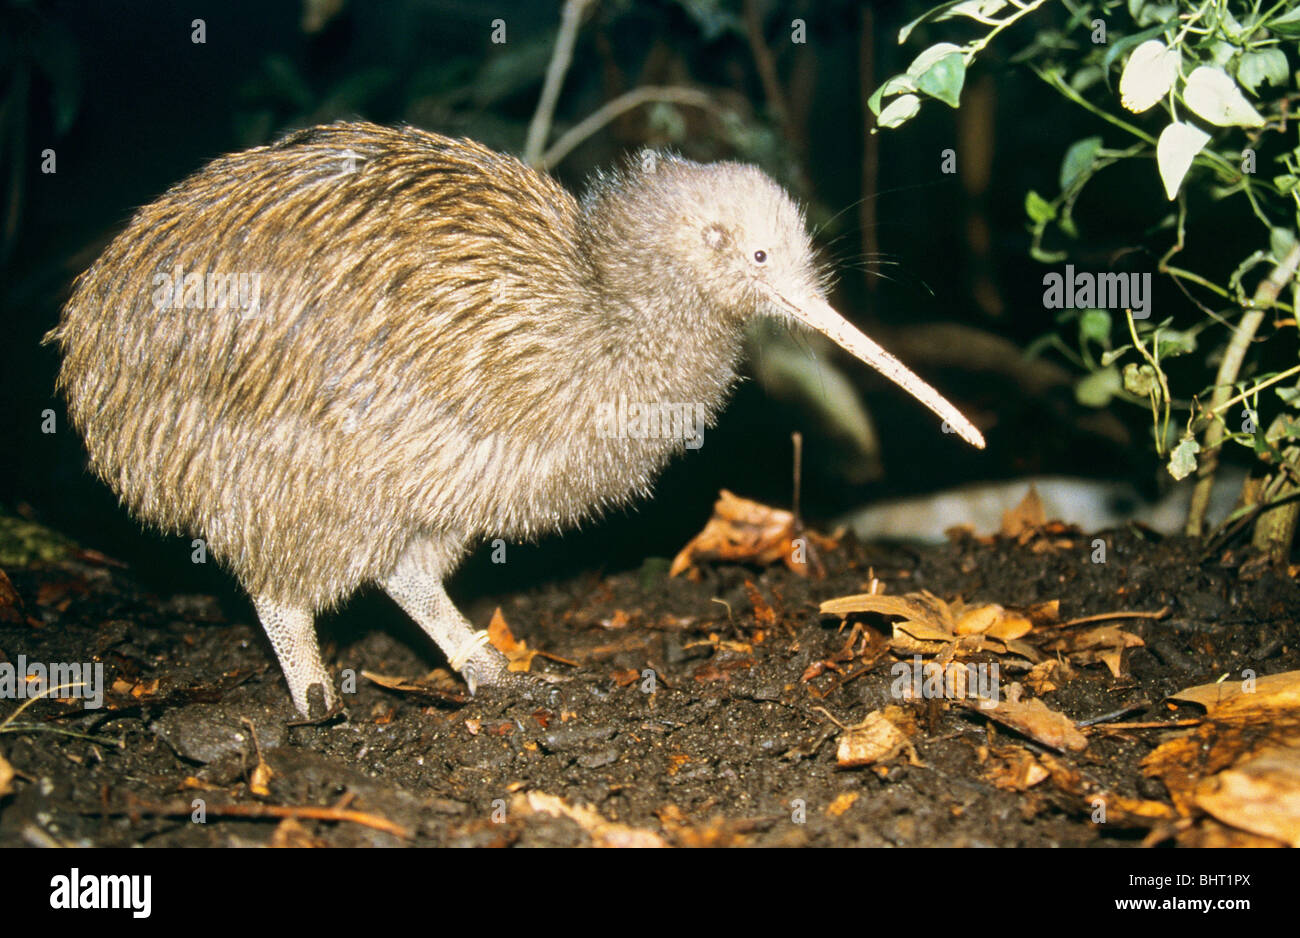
(350, 356)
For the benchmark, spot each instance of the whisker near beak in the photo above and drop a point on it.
(819, 315)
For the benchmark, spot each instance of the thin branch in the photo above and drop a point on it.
(260, 810)
(607, 112)
(1144, 725)
(1104, 616)
(561, 58)
(765, 62)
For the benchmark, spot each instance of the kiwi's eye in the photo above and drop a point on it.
(760, 257)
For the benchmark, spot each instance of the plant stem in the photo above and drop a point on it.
(540, 126)
(1266, 295)
(1253, 390)
(1022, 10)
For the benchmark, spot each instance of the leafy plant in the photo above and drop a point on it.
(1198, 87)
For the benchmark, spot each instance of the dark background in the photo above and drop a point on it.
(130, 105)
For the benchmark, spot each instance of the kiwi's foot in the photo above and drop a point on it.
(489, 670)
(320, 708)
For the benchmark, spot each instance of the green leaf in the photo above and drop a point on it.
(1109, 358)
(1264, 65)
(1229, 25)
(1078, 160)
(929, 15)
(975, 8)
(1037, 208)
(1097, 389)
(1119, 47)
(895, 85)
(873, 102)
(1287, 25)
(1182, 461)
(1212, 94)
(1175, 150)
(1221, 53)
(1140, 379)
(1285, 183)
(1260, 443)
(1094, 326)
(944, 79)
(1284, 429)
(1148, 75)
(1161, 13)
(921, 64)
(1170, 343)
(900, 111)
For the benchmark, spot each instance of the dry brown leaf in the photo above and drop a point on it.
(516, 650)
(1235, 699)
(387, 680)
(603, 833)
(259, 779)
(1065, 777)
(722, 644)
(1121, 808)
(977, 619)
(764, 614)
(718, 832)
(1260, 795)
(1104, 644)
(504, 641)
(875, 739)
(6, 777)
(922, 607)
(619, 620)
(1045, 614)
(750, 532)
(902, 717)
(291, 833)
(1010, 627)
(1181, 762)
(438, 684)
(918, 630)
(1210, 833)
(1017, 647)
(1027, 518)
(1014, 768)
(930, 624)
(927, 625)
(1049, 675)
(992, 620)
(1031, 717)
(625, 678)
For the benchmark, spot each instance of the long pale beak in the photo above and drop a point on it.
(820, 315)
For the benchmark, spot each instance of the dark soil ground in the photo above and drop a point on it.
(731, 745)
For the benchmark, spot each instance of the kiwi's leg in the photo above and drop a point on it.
(416, 585)
(292, 631)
